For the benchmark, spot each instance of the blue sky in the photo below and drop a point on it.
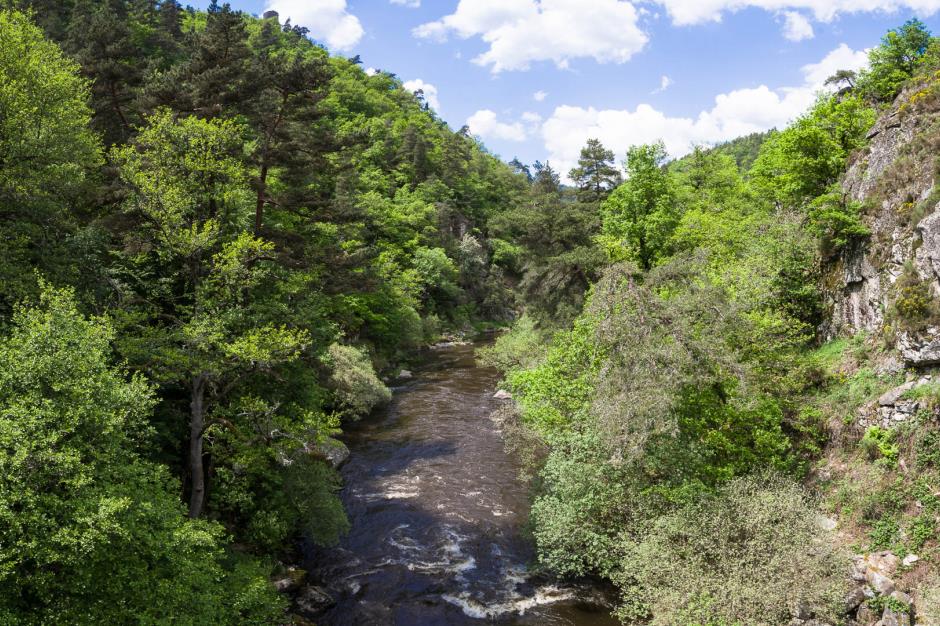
(627, 72)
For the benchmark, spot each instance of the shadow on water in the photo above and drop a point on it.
(436, 512)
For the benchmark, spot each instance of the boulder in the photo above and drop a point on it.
(854, 599)
(880, 583)
(312, 600)
(502, 394)
(903, 598)
(885, 562)
(332, 451)
(405, 374)
(891, 398)
(909, 560)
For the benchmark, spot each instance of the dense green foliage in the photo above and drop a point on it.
(267, 228)
(690, 373)
(218, 238)
(91, 531)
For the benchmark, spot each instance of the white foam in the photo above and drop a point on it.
(518, 604)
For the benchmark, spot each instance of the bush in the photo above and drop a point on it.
(520, 348)
(356, 388)
(879, 444)
(745, 555)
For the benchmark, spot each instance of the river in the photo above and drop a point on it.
(436, 512)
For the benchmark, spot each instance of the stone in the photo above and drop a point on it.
(891, 398)
(312, 600)
(854, 599)
(885, 562)
(889, 366)
(405, 374)
(290, 581)
(332, 451)
(827, 523)
(910, 559)
(902, 597)
(920, 349)
(866, 616)
(895, 618)
(502, 394)
(879, 582)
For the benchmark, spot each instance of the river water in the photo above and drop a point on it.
(437, 511)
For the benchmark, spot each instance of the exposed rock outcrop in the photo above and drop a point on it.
(893, 179)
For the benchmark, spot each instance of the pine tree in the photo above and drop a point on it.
(595, 176)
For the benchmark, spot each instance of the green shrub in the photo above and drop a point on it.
(745, 555)
(880, 444)
(914, 305)
(520, 348)
(356, 388)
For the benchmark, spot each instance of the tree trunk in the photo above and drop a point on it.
(197, 422)
(259, 202)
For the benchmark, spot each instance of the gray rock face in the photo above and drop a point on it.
(895, 181)
(920, 349)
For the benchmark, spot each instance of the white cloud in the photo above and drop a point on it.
(411, 4)
(842, 58)
(664, 83)
(520, 32)
(328, 20)
(796, 27)
(684, 12)
(539, 96)
(429, 90)
(733, 114)
(485, 124)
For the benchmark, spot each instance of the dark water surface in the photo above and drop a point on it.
(436, 510)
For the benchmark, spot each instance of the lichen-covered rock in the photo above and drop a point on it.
(332, 451)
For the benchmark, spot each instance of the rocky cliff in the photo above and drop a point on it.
(890, 283)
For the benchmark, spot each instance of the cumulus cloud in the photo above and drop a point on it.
(684, 12)
(539, 96)
(485, 124)
(796, 27)
(520, 32)
(733, 114)
(327, 20)
(411, 4)
(429, 90)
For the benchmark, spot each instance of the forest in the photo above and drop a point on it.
(220, 242)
